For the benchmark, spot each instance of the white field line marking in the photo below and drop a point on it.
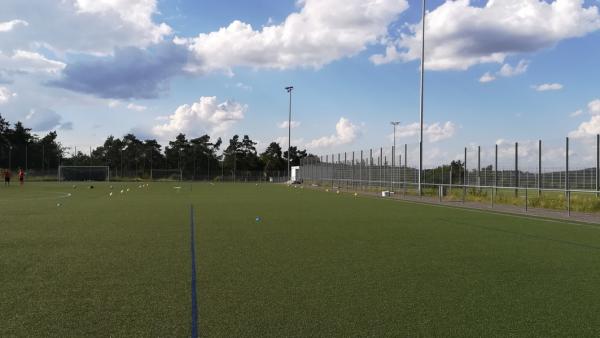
(62, 195)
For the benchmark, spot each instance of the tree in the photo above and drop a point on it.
(296, 157)
(241, 156)
(176, 152)
(271, 159)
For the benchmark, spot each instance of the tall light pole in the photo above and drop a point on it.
(289, 90)
(422, 99)
(395, 124)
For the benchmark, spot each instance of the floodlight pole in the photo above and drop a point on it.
(395, 124)
(289, 89)
(422, 99)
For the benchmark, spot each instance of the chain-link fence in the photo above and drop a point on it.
(528, 173)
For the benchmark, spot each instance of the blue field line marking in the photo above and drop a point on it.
(194, 321)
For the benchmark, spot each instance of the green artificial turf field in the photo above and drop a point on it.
(316, 264)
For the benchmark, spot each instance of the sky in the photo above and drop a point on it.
(497, 72)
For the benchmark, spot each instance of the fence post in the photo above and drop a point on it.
(450, 187)
(339, 165)
(539, 168)
(370, 169)
(598, 165)
(322, 174)
(360, 170)
(345, 169)
(526, 200)
(465, 177)
(326, 167)
(405, 166)
(381, 168)
(392, 168)
(567, 188)
(517, 169)
(353, 179)
(332, 171)
(479, 168)
(495, 190)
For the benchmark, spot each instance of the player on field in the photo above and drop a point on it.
(21, 176)
(6, 177)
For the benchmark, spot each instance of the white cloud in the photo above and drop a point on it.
(509, 71)
(345, 132)
(30, 62)
(204, 116)
(576, 113)
(506, 71)
(285, 124)
(85, 26)
(594, 107)
(460, 35)
(243, 86)
(588, 128)
(487, 77)
(321, 31)
(591, 127)
(45, 120)
(547, 87)
(10, 25)
(283, 141)
(136, 107)
(431, 132)
(6, 95)
(113, 103)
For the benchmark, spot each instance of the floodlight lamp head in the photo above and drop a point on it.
(289, 89)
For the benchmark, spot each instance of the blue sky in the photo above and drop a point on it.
(497, 71)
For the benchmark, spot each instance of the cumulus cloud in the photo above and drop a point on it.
(82, 26)
(243, 86)
(345, 132)
(506, 71)
(283, 141)
(509, 71)
(22, 61)
(576, 113)
(10, 25)
(487, 77)
(431, 132)
(594, 107)
(460, 34)
(204, 116)
(321, 31)
(548, 87)
(136, 107)
(588, 128)
(45, 120)
(132, 73)
(6, 95)
(591, 127)
(285, 124)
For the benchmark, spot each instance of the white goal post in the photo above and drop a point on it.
(166, 175)
(83, 173)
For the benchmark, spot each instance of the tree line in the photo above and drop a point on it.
(130, 156)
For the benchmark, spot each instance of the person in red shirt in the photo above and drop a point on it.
(21, 176)
(6, 177)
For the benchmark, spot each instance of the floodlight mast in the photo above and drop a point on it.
(289, 89)
(422, 100)
(395, 124)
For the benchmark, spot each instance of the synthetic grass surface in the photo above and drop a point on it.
(316, 264)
